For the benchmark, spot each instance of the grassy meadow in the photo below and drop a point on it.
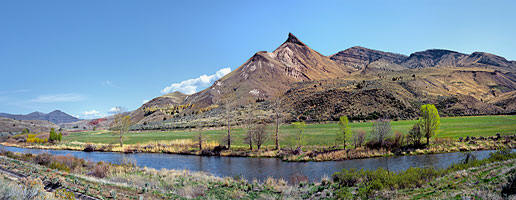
(315, 134)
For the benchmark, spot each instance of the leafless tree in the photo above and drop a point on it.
(121, 124)
(359, 138)
(381, 130)
(277, 107)
(200, 140)
(260, 135)
(248, 139)
(225, 99)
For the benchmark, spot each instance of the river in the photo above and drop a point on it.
(261, 168)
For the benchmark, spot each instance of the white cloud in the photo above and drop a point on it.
(191, 86)
(91, 114)
(117, 109)
(114, 109)
(53, 98)
(145, 101)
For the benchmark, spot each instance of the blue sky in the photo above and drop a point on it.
(87, 57)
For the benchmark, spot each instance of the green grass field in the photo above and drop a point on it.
(315, 134)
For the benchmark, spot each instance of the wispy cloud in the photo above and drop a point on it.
(54, 98)
(14, 91)
(145, 101)
(91, 114)
(109, 83)
(191, 86)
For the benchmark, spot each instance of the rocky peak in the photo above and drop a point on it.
(293, 39)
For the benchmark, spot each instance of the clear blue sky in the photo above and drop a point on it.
(85, 57)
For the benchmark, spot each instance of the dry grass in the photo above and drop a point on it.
(23, 189)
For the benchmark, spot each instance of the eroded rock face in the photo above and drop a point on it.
(361, 104)
(359, 82)
(272, 73)
(360, 57)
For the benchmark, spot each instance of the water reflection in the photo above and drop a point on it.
(261, 168)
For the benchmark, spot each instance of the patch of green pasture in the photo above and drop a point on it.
(315, 134)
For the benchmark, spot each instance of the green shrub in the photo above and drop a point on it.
(59, 166)
(347, 177)
(369, 181)
(379, 179)
(64, 194)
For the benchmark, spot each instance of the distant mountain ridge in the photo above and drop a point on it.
(55, 116)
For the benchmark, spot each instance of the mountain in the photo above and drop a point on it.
(159, 107)
(268, 74)
(358, 82)
(265, 75)
(360, 57)
(55, 116)
(11, 126)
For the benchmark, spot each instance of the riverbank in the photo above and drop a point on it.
(125, 181)
(312, 154)
(486, 179)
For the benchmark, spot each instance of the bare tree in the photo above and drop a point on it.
(121, 124)
(358, 138)
(228, 120)
(381, 130)
(248, 139)
(277, 108)
(223, 98)
(299, 136)
(200, 140)
(260, 136)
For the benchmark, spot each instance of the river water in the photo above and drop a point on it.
(261, 168)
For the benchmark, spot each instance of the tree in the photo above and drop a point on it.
(228, 119)
(200, 140)
(121, 124)
(277, 115)
(299, 137)
(259, 135)
(345, 131)
(248, 139)
(358, 138)
(429, 121)
(381, 130)
(224, 97)
(52, 137)
(60, 136)
(415, 135)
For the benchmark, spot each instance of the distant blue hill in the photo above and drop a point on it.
(55, 116)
